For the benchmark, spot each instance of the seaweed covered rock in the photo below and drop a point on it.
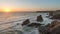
(39, 18)
(26, 22)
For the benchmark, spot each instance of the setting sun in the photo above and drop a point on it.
(7, 10)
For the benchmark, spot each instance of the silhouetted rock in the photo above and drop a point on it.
(39, 18)
(34, 25)
(26, 22)
(57, 16)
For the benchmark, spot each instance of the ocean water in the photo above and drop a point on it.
(8, 20)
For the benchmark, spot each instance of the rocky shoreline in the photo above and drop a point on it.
(50, 28)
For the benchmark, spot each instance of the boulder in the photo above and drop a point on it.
(26, 22)
(39, 18)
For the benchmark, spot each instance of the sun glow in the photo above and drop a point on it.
(6, 10)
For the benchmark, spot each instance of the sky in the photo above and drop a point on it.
(29, 5)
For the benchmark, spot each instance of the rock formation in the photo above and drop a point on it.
(34, 25)
(57, 16)
(39, 18)
(54, 28)
(26, 22)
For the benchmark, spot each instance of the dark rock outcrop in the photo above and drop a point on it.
(34, 25)
(54, 28)
(53, 23)
(57, 16)
(26, 22)
(39, 18)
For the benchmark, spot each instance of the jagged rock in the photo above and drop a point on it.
(54, 23)
(26, 22)
(54, 28)
(39, 18)
(34, 25)
(57, 16)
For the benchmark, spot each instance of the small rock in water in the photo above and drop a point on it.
(39, 18)
(26, 22)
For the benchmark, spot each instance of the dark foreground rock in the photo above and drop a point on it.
(26, 22)
(54, 28)
(39, 18)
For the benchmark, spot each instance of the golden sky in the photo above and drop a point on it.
(29, 5)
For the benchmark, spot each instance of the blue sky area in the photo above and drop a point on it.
(31, 4)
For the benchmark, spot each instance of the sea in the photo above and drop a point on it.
(10, 19)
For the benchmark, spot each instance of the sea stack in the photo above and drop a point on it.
(26, 22)
(39, 18)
